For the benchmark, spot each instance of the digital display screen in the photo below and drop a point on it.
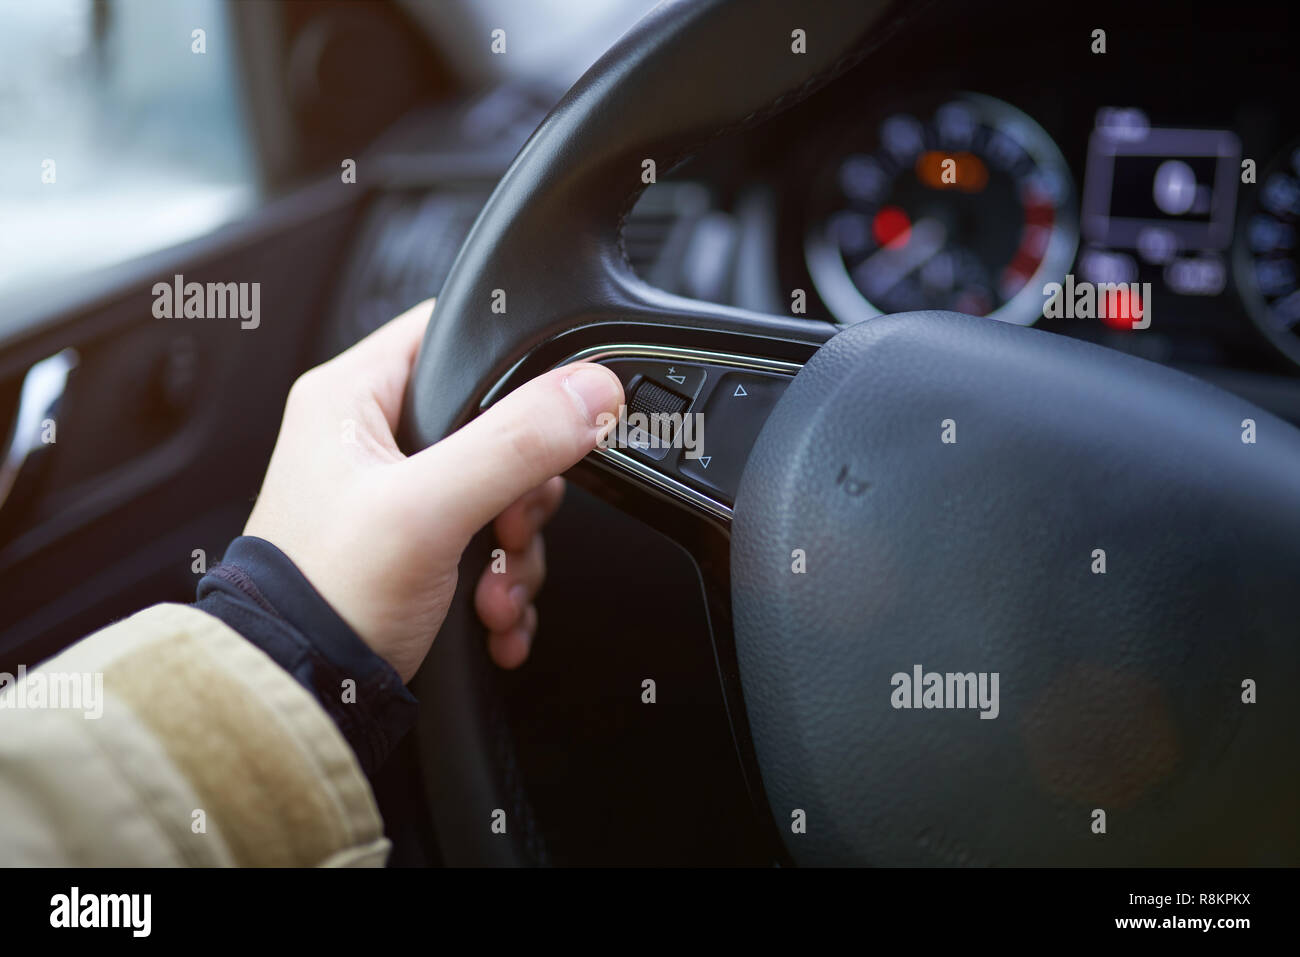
(1180, 182)
(1158, 188)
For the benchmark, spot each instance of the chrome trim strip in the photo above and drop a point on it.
(673, 353)
(665, 483)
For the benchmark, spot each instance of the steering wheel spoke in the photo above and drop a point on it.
(674, 460)
(707, 539)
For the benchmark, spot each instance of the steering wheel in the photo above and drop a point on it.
(978, 593)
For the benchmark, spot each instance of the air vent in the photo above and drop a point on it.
(404, 255)
(658, 234)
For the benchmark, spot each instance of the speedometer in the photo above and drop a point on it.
(960, 203)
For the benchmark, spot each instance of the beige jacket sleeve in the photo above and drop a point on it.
(206, 753)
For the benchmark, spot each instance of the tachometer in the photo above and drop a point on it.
(963, 203)
(1266, 255)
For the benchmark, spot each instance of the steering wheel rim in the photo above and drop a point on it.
(543, 278)
(574, 182)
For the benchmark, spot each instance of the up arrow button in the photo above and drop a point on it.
(731, 418)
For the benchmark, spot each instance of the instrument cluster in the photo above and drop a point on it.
(1145, 194)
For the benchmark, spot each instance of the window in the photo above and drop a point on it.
(121, 132)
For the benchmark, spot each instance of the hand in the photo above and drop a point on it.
(380, 535)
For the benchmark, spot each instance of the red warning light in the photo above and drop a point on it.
(1119, 308)
(891, 227)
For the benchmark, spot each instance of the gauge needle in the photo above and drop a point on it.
(887, 267)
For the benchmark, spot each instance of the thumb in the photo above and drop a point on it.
(540, 430)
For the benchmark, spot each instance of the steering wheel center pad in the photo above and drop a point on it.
(947, 482)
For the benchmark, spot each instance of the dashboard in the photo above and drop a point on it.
(1125, 173)
(1128, 175)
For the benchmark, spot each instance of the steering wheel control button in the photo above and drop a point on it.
(733, 415)
(672, 396)
(654, 418)
(682, 378)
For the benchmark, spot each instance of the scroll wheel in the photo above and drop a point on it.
(650, 399)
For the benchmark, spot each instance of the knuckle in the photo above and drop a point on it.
(304, 386)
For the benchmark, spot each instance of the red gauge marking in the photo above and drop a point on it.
(891, 227)
(1039, 208)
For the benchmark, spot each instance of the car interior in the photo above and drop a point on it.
(988, 159)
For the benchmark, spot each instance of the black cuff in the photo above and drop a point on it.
(260, 593)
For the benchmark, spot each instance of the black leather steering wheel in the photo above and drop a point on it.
(927, 491)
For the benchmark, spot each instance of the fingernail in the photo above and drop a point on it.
(595, 392)
(519, 598)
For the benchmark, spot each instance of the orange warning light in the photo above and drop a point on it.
(964, 171)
